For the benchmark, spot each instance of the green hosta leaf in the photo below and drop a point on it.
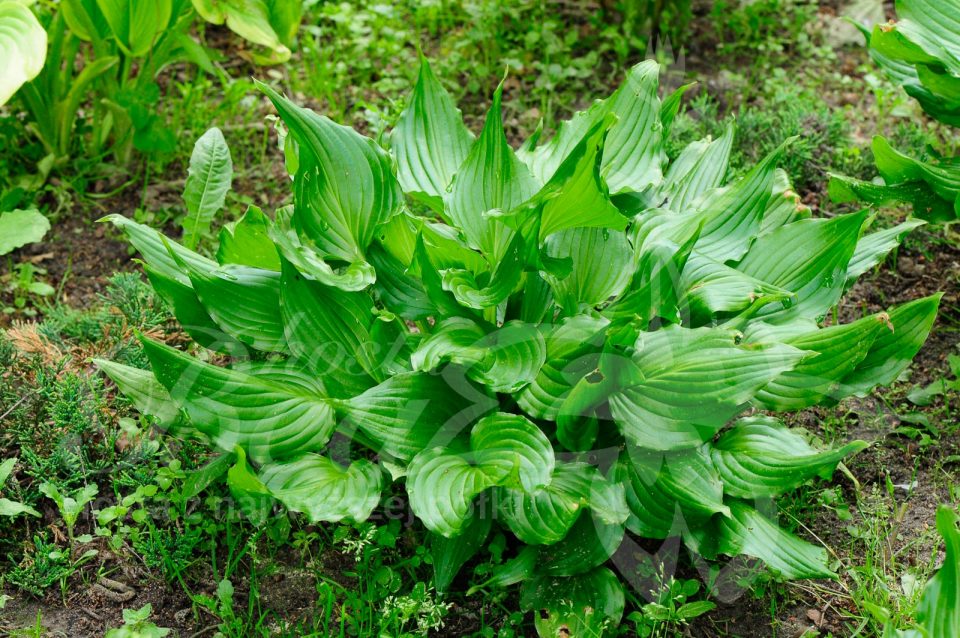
(588, 544)
(328, 329)
(693, 382)
(142, 388)
(784, 206)
(136, 25)
(248, 243)
(733, 217)
(892, 350)
(575, 196)
(837, 351)
(450, 554)
(84, 19)
(654, 289)
(285, 19)
(442, 244)
(312, 263)
(23, 47)
(441, 486)
(700, 167)
(398, 237)
(442, 300)
(269, 23)
(323, 489)
(671, 107)
(193, 317)
(429, 141)
(244, 302)
(167, 266)
(926, 203)
(396, 289)
(545, 516)
(344, 187)
(873, 248)
(602, 266)
(687, 478)
(514, 354)
(491, 177)
(577, 421)
(712, 287)
(809, 258)
(922, 52)
(760, 457)
(505, 359)
(21, 227)
(456, 339)
(158, 251)
(633, 156)
(208, 182)
(653, 514)
(411, 412)
(270, 420)
(512, 451)
(504, 449)
(906, 74)
(571, 354)
(590, 604)
(251, 495)
(502, 281)
(747, 531)
(534, 303)
(897, 168)
(545, 159)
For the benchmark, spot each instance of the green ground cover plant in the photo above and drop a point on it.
(564, 341)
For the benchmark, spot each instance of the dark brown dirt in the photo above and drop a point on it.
(79, 256)
(86, 612)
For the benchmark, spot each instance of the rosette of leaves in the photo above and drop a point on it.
(921, 52)
(566, 341)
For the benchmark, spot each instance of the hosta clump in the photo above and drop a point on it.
(565, 341)
(920, 52)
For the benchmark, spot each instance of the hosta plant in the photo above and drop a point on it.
(569, 341)
(272, 24)
(98, 87)
(920, 52)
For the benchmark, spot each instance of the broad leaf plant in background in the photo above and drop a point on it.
(93, 91)
(569, 341)
(23, 47)
(920, 52)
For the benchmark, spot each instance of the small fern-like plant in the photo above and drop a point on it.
(566, 341)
